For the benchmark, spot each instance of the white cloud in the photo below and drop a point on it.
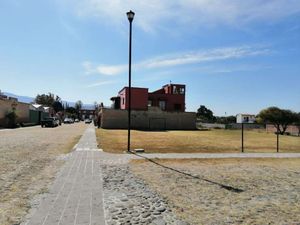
(111, 70)
(204, 56)
(184, 58)
(152, 15)
(101, 83)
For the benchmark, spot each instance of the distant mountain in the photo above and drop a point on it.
(27, 99)
(20, 98)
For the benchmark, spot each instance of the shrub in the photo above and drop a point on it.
(11, 116)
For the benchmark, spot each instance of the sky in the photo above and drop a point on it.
(233, 56)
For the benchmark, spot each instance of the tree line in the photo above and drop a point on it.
(54, 101)
(280, 118)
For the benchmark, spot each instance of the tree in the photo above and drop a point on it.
(96, 105)
(71, 112)
(205, 115)
(11, 116)
(78, 107)
(57, 106)
(297, 123)
(50, 100)
(225, 119)
(280, 118)
(45, 99)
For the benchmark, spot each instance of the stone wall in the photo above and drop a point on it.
(153, 119)
(248, 126)
(211, 125)
(22, 111)
(292, 129)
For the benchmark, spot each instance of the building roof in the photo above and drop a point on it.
(245, 114)
(37, 106)
(166, 85)
(132, 88)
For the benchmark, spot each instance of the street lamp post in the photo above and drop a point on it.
(130, 16)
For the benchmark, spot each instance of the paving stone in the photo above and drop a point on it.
(75, 193)
(158, 222)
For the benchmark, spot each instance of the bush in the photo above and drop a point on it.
(11, 116)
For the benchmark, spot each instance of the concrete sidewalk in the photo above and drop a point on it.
(76, 197)
(211, 155)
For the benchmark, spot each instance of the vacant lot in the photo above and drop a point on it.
(195, 141)
(28, 163)
(269, 189)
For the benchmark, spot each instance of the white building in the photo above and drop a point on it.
(245, 118)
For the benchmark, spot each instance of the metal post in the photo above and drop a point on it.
(277, 133)
(129, 85)
(242, 137)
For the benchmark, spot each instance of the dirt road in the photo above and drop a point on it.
(29, 160)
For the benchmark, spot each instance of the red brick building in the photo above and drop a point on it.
(170, 97)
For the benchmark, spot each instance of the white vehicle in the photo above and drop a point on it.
(87, 120)
(68, 120)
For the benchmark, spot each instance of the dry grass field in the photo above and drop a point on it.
(115, 141)
(28, 163)
(269, 189)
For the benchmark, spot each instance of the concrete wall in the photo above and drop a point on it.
(153, 119)
(292, 129)
(22, 111)
(211, 125)
(247, 126)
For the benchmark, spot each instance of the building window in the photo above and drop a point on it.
(162, 105)
(149, 103)
(181, 91)
(123, 101)
(175, 91)
(178, 90)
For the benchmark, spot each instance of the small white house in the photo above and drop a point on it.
(245, 118)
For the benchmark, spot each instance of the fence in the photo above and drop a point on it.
(252, 138)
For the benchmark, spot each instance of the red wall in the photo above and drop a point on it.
(170, 99)
(166, 94)
(139, 98)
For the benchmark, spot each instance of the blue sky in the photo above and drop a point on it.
(234, 56)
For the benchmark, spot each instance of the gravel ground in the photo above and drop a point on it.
(264, 191)
(29, 159)
(128, 200)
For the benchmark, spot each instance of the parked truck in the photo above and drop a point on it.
(50, 122)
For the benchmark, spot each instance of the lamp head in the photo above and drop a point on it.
(130, 15)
